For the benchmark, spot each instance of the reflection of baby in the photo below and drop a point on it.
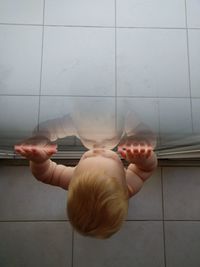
(99, 186)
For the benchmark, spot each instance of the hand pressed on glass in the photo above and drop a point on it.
(135, 151)
(36, 149)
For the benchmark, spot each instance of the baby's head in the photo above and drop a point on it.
(98, 196)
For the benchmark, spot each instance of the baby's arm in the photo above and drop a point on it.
(38, 151)
(51, 173)
(56, 128)
(143, 164)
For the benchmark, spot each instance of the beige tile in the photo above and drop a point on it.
(181, 190)
(137, 244)
(182, 244)
(47, 244)
(22, 197)
(147, 203)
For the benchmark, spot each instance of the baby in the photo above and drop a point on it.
(99, 186)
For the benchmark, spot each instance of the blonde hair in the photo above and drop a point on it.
(96, 207)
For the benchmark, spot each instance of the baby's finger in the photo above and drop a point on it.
(122, 152)
(27, 149)
(26, 152)
(51, 151)
(130, 153)
(21, 152)
(17, 149)
(35, 151)
(129, 150)
(148, 153)
(142, 149)
(135, 150)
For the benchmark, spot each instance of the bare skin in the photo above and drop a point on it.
(108, 160)
(141, 157)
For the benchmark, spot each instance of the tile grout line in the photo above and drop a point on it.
(159, 120)
(60, 221)
(95, 26)
(164, 243)
(189, 68)
(101, 96)
(42, 49)
(72, 247)
(115, 48)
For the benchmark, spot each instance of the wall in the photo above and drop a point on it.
(53, 53)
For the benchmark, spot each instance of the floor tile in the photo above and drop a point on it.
(182, 244)
(137, 244)
(147, 203)
(181, 190)
(22, 197)
(47, 244)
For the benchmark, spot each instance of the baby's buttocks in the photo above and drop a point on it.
(96, 124)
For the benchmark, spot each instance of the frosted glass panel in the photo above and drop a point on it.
(109, 70)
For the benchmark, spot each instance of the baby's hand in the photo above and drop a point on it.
(36, 149)
(135, 152)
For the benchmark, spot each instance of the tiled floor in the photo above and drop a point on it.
(103, 52)
(162, 228)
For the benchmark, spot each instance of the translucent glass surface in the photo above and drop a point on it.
(89, 75)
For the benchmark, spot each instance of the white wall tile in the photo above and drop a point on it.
(193, 11)
(19, 115)
(20, 65)
(175, 118)
(151, 13)
(78, 61)
(53, 108)
(194, 44)
(196, 115)
(85, 13)
(21, 11)
(145, 109)
(152, 63)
